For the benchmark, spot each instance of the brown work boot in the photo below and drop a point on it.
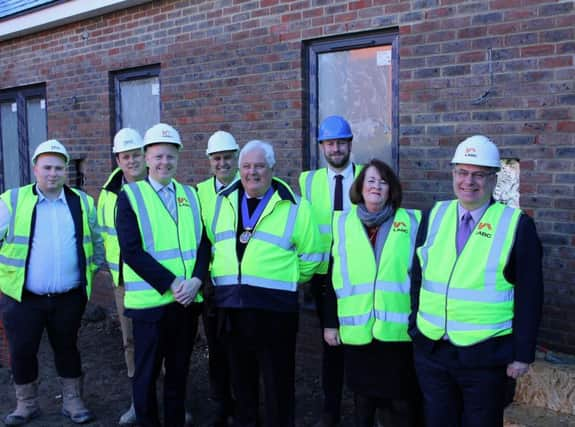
(72, 405)
(26, 404)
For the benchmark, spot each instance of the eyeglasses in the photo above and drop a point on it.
(475, 176)
(376, 183)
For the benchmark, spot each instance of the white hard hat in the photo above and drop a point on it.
(221, 141)
(162, 134)
(127, 139)
(477, 150)
(50, 146)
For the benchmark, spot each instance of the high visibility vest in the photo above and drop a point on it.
(283, 251)
(107, 221)
(16, 244)
(314, 186)
(207, 195)
(373, 299)
(467, 297)
(174, 245)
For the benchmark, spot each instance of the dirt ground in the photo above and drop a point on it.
(107, 389)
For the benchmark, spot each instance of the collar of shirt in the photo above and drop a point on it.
(41, 197)
(157, 186)
(476, 214)
(219, 185)
(347, 172)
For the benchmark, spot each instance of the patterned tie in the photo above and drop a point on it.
(464, 230)
(338, 193)
(169, 201)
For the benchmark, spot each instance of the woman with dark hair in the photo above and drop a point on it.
(369, 302)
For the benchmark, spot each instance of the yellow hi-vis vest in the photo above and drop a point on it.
(314, 187)
(283, 251)
(373, 299)
(107, 221)
(16, 244)
(466, 297)
(174, 245)
(207, 195)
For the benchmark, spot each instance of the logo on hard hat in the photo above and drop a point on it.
(55, 147)
(166, 133)
(470, 152)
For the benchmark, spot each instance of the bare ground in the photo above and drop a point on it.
(107, 389)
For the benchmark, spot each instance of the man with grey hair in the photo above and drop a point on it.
(258, 262)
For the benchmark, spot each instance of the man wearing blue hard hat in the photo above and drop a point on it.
(327, 189)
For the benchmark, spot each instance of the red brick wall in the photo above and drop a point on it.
(238, 65)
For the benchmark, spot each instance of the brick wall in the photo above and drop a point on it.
(237, 65)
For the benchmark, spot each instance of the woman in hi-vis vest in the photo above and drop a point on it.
(369, 303)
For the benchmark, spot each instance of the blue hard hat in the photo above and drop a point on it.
(334, 127)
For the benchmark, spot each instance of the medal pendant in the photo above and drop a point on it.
(245, 236)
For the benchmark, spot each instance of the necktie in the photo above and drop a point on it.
(338, 193)
(464, 231)
(169, 201)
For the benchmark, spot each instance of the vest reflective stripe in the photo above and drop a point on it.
(107, 222)
(225, 235)
(468, 294)
(192, 198)
(380, 308)
(316, 257)
(91, 267)
(16, 245)
(276, 257)
(315, 188)
(110, 230)
(383, 316)
(308, 183)
(282, 241)
(255, 281)
(207, 195)
(467, 297)
(179, 260)
(10, 236)
(13, 262)
(148, 235)
(453, 325)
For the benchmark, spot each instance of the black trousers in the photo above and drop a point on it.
(218, 362)
(60, 315)
(168, 340)
(262, 343)
(332, 363)
(394, 412)
(459, 396)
